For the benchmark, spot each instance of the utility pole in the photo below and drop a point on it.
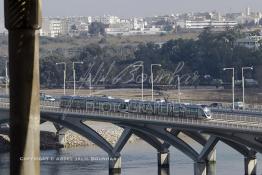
(90, 84)
(64, 74)
(233, 85)
(178, 87)
(152, 79)
(6, 78)
(23, 21)
(142, 80)
(243, 83)
(74, 75)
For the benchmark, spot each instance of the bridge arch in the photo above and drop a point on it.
(202, 140)
(240, 139)
(167, 137)
(79, 127)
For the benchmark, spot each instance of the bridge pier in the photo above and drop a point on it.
(200, 168)
(61, 136)
(114, 165)
(250, 165)
(163, 171)
(163, 159)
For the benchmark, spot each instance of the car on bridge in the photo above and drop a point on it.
(47, 98)
(239, 105)
(216, 105)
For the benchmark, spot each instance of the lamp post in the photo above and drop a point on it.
(178, 87)
(74, 75)
(90, 84)
(243, 83)
(152, 79)
(6, 77)
(64, 74)
(233, 85)
(142, 79)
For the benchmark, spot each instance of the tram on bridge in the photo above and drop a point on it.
(136, 106)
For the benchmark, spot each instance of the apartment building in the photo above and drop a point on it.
(188, 24)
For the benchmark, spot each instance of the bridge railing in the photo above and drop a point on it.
(231, 121)
(248, 107)
(220, 120)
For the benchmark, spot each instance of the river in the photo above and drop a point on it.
(137, 159)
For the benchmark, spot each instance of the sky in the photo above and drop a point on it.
(141, 8)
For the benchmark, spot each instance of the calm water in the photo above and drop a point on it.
(137, 159)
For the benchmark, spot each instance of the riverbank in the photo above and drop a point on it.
(111, 133)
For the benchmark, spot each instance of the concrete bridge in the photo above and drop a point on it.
(242, 133)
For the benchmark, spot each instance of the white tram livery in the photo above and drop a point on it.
(135, 106)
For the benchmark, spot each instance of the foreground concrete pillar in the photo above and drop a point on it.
(114, 165)
(250, 165)
(212, 156)
(163, 159)
(163, 171)
(22, 19)
(200, 168)
(211, 168)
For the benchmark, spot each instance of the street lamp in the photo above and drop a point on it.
(90, 84)
(233, 85)
(74, 75)
(142, 79)
(6, 77)
(178, 87)
(64, 73)
(152, 79)
(243, 83)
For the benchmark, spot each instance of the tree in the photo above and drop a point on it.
(168, 27)
(97, 28)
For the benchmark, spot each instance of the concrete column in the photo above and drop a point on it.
(23, 21)
(114, 165)
(200, 168)
(163, 159)
(212, 156)
(163, 171)
(62, 138)
(250, 165)
(211, 168)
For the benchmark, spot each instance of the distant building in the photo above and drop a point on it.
(51, 27)
(187, 24)
(106, 19)
(138, 24)
(120, 28)
(247, 11)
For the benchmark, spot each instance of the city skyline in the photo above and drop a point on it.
(141, 7)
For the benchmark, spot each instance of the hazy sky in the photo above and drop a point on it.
(140, 7)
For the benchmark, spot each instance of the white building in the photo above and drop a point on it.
(187, 24)
(247, 11)
(106, 19)
(138, 24)
(51, 27)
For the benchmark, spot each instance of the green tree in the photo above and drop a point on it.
(96, 28)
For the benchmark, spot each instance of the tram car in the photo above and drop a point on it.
(135, 106)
